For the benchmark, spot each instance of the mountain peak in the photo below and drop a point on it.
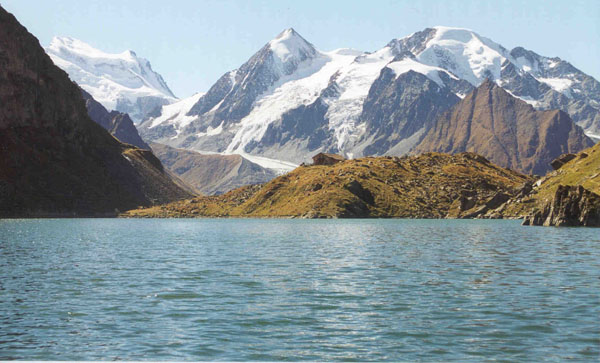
(289, 44)
(463, 52)
(488, 83)
(289, 32)
(450, 30)
(116, 80)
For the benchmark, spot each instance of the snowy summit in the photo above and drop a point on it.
(121, 81)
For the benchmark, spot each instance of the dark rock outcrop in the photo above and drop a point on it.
(562, 160)
(363, 194)
(117, 123)
(54, 160)
(572, 206)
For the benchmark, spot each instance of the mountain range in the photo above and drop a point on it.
(290, 100)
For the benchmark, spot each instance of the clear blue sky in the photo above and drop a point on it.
(192, 43)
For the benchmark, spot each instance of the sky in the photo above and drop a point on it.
(191, 43)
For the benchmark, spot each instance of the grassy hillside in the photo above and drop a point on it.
(431, 185)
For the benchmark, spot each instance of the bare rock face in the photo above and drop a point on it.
(572, 206)
(397, 107)
(507, 131)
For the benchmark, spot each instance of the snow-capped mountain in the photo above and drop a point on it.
(122, 82)
(290, 100)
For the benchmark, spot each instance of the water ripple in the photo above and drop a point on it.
(349, 290)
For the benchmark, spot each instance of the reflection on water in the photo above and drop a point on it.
(297, 290)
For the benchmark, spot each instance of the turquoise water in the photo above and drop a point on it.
(104, 289)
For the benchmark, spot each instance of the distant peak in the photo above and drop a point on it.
(79, 47)
(488, 83)
(291, 44)
(287, 35)
(58, 41)
(287, 32)
(447, 28)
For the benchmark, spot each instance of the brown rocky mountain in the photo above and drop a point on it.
(211, 174)
(117, 123)
(54, 160)
(504, 129)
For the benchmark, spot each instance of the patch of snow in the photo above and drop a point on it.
(176, 113)
(525, 65)
(558, 84)
(279, 166)
(594, 137)
(430, 72)
(211, 132)
(531, 101)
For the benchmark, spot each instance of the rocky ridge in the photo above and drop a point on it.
(582, 170)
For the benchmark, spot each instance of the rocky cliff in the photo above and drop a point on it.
(506, 130)
(572, 206)
(582, 169)
(54, 160)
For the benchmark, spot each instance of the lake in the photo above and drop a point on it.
(275, 289)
